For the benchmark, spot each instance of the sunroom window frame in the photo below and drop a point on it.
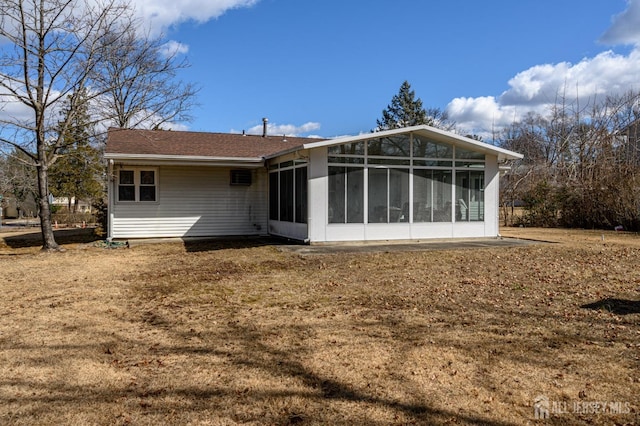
(455, 163)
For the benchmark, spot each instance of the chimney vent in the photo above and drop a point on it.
(264, 127)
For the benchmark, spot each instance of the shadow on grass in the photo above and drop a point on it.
(203, 245)
(62, 236)
(615, 306)
(255, 354)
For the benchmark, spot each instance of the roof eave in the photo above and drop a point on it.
(439, 135)
(179, 160)
(284, 152)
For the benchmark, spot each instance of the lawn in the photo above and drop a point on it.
(249, 332)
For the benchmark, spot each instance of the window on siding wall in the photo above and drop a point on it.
(241, 177)
(137, 185)
(147, 185)
(126, 186)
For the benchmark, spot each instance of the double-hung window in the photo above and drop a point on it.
(126, 186)
(138, 185)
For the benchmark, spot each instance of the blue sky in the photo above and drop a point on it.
(330, 67)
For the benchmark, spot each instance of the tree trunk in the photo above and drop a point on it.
(48, 240)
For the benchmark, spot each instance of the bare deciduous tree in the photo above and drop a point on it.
(140, 72)
(581, 166)
(52, 51)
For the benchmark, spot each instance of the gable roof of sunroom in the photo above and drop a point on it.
(425, 131)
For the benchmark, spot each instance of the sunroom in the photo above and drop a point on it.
(411, 183)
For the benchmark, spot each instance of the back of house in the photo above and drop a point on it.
(411, 183)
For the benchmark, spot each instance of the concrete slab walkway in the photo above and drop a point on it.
(400, 246)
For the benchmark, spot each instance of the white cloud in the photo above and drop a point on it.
(13, 110)
(174, 48)
(480, 115)
(538, 87)
(625, 28)
(607, 72)
(159, 15)
(274, 129)
(156, 15)
(162, 14)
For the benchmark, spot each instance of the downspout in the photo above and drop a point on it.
(110, 195)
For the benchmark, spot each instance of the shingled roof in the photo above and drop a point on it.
(198, 144)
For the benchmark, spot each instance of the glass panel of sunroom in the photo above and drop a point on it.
(378, 196)
(394, 146)
(355, 148)
(355, 195)
(429, 149)
(462, 196)
(337, 178)
(422, 195)
(398, 195)
(301, 194)
(441, 196)
(286, 195)
(273, 196)
(476, 195)
(465, 153)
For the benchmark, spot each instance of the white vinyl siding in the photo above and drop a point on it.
(196, 202)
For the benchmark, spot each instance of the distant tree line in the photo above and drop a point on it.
(581, 165)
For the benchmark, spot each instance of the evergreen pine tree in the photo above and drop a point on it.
(404, 111)
(77, 171)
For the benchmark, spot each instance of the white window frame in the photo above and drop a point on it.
(455, 164)
(136, 184)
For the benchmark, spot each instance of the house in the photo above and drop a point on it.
(410, 183)
(13, 208)
(629, 142)
(72, 204)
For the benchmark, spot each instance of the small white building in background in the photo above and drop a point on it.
(82, 206)
(410, 183)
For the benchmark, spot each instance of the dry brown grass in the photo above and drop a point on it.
(232, 333)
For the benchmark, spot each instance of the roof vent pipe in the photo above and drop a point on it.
(264, 127)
